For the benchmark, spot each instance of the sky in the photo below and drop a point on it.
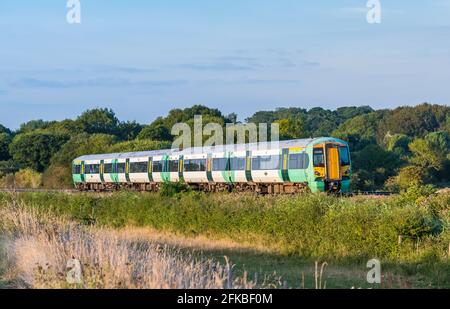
(143, 58)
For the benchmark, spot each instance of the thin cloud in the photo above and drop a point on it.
(217, 66)
(92, 83)
(252, 81)
(123, 69)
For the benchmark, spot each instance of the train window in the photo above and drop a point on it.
(92, 169)
(173, 166)
(76, 169)
(138, 167)
(220, 164)
(108, 169)
(298, 161)
(237, 164)
(157, 166)
(318, 158)
(198, 165)
(121, 168)
(345, 157)
(264, 163)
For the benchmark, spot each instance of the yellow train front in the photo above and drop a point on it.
(318, 165)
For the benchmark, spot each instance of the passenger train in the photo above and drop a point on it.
(318, 165)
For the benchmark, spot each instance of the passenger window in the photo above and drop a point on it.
(298, 161)
(265, 163)
(220, 164)
(121, 168)
(173, 166)
(238, 164)
(108, 168)
(157, 166)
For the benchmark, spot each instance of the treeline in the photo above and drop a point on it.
(391, 149)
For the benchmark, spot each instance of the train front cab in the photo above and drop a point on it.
(331, 167)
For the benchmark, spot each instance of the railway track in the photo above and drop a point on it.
(23, 190)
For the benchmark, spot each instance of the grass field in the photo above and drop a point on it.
(279, 238)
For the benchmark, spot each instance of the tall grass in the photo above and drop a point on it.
(41, 245)
(316, 226)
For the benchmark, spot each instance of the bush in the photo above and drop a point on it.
(25, 178)
(57, 177)
(170, 189)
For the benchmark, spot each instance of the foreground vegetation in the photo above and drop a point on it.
(409, 233)
(41, 249)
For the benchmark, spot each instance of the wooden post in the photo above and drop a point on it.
(400, 238)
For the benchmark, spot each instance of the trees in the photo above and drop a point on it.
(58, 174)
(5, 140)
(415, 121)
(291, 128)
(374, 165)
(34, 149)
(99, 120)
(32, 125)
(83, 144)
(157, 131)
(139, 145)
(128, 130)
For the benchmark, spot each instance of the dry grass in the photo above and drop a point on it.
(40, 246)
(199, 242)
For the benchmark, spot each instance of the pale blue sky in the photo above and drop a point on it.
(142, 58)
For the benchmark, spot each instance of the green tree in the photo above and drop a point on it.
(291, 128)
(8, 167)
(128, 130)
(415, 121)
(5, 141)
(32, 126)
(345, 113)
(99, 120)
(83, 144)
(373, 166)
(139, 145)
(67, 126)
(399, 143)
(59, 173)
(4, 129)
(157, 131)
(35, 149)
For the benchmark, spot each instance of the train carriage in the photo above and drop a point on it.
(320, 165)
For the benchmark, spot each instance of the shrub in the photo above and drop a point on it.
(171, 188)
(25, 178)
(28, 178)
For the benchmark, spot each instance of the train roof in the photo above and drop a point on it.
(214, 149)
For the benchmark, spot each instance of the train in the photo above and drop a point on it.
(285, 167)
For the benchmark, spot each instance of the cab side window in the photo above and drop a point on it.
(318, 159)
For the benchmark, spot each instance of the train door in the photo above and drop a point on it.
(102, 171)
(165, 175)
(83, 175)
(333, 162)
